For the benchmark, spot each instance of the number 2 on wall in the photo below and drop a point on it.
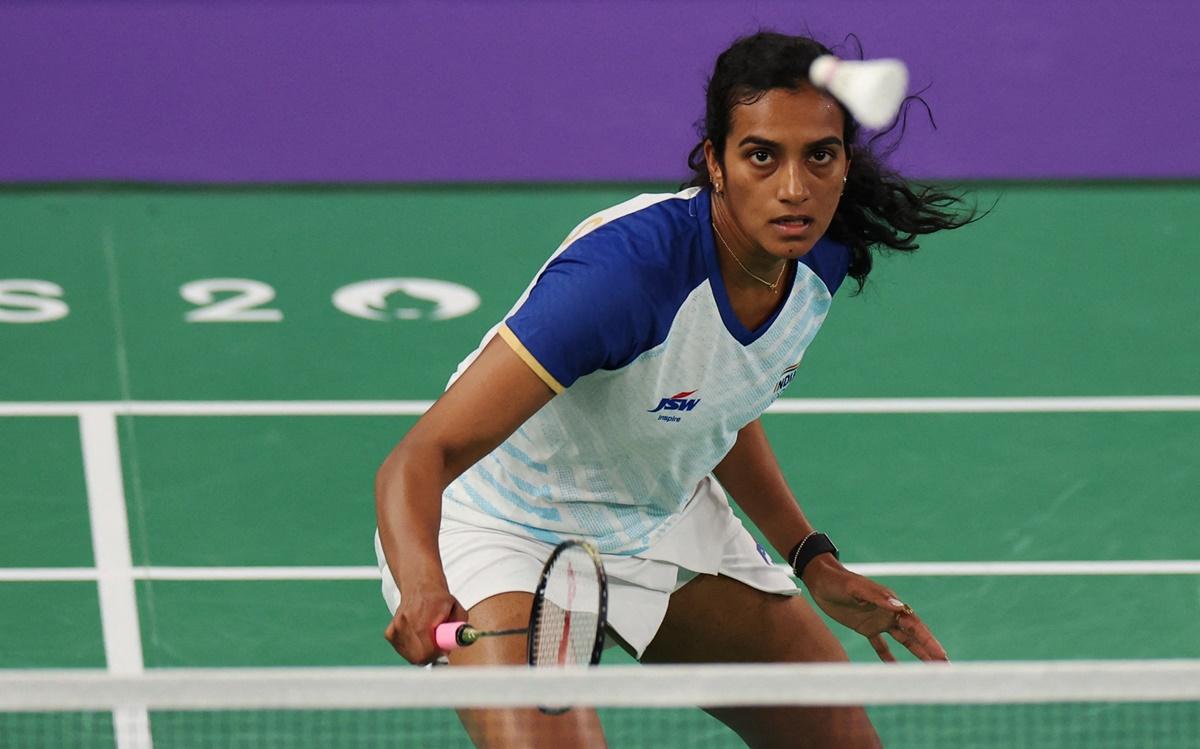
(244, 306)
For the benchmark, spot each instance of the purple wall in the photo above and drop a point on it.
(582, 90)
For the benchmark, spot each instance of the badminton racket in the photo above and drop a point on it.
(566, 622)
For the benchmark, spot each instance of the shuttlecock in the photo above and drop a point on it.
(871, 89)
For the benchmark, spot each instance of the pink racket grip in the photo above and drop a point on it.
(446, 635)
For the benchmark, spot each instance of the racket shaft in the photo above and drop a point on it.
(502, 632)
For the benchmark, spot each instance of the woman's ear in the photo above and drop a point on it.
(714, 167)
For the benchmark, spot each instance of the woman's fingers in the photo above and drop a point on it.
(406, 644)
(396, 636)
(912, 633)
(881, 649)
(411, 632)
(879, 610)
(900, 621)
(909, 642)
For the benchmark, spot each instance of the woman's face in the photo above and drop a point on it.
(784, 167)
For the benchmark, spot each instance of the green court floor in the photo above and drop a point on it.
(1063, 291)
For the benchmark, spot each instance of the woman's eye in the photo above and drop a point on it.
(760, 157)
(822, 157)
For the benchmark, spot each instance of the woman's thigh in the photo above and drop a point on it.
(524, 726)
(716, 619)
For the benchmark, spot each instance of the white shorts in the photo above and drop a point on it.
(707, 539)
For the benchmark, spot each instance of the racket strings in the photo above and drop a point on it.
(570, 616)
(565, 636)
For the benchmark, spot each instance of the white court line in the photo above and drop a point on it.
(1118, 404)
(114, 567)
(1003, 569)
(985, 405)
(110, 542)
(875, 569)
(48, 574)
(258, 573)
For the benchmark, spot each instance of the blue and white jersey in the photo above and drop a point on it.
(630, 324)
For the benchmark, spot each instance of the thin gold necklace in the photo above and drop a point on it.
(772, 286)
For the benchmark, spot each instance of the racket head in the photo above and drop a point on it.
(570, 608)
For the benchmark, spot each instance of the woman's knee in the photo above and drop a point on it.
(525, 726)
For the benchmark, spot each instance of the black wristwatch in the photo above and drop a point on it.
(813, 544)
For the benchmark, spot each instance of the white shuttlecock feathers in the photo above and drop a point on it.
(871, 89)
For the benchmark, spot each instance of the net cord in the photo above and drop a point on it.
(52, 690)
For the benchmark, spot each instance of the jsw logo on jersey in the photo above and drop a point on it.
(677, 402)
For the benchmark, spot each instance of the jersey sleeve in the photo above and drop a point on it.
(588, 310)
(830, 261)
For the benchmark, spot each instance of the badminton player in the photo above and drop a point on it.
(619, 402)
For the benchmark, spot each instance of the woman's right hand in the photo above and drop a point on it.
(422, 608)
(463, 426)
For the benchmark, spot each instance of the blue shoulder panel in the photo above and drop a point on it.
(830, 261)
(613, 293)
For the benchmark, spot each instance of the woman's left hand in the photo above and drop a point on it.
(869, 609)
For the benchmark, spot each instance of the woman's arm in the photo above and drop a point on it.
(751, 475)
(492, 398)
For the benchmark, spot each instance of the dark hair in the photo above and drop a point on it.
(879, 210)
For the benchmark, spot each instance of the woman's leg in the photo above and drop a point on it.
(578, 727)
(716, 619)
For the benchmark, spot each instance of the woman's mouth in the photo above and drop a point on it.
(792, 226)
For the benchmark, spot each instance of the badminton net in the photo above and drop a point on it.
(1095, 704)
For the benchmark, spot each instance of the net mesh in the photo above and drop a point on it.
(1162, 725)
(1154, 707)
